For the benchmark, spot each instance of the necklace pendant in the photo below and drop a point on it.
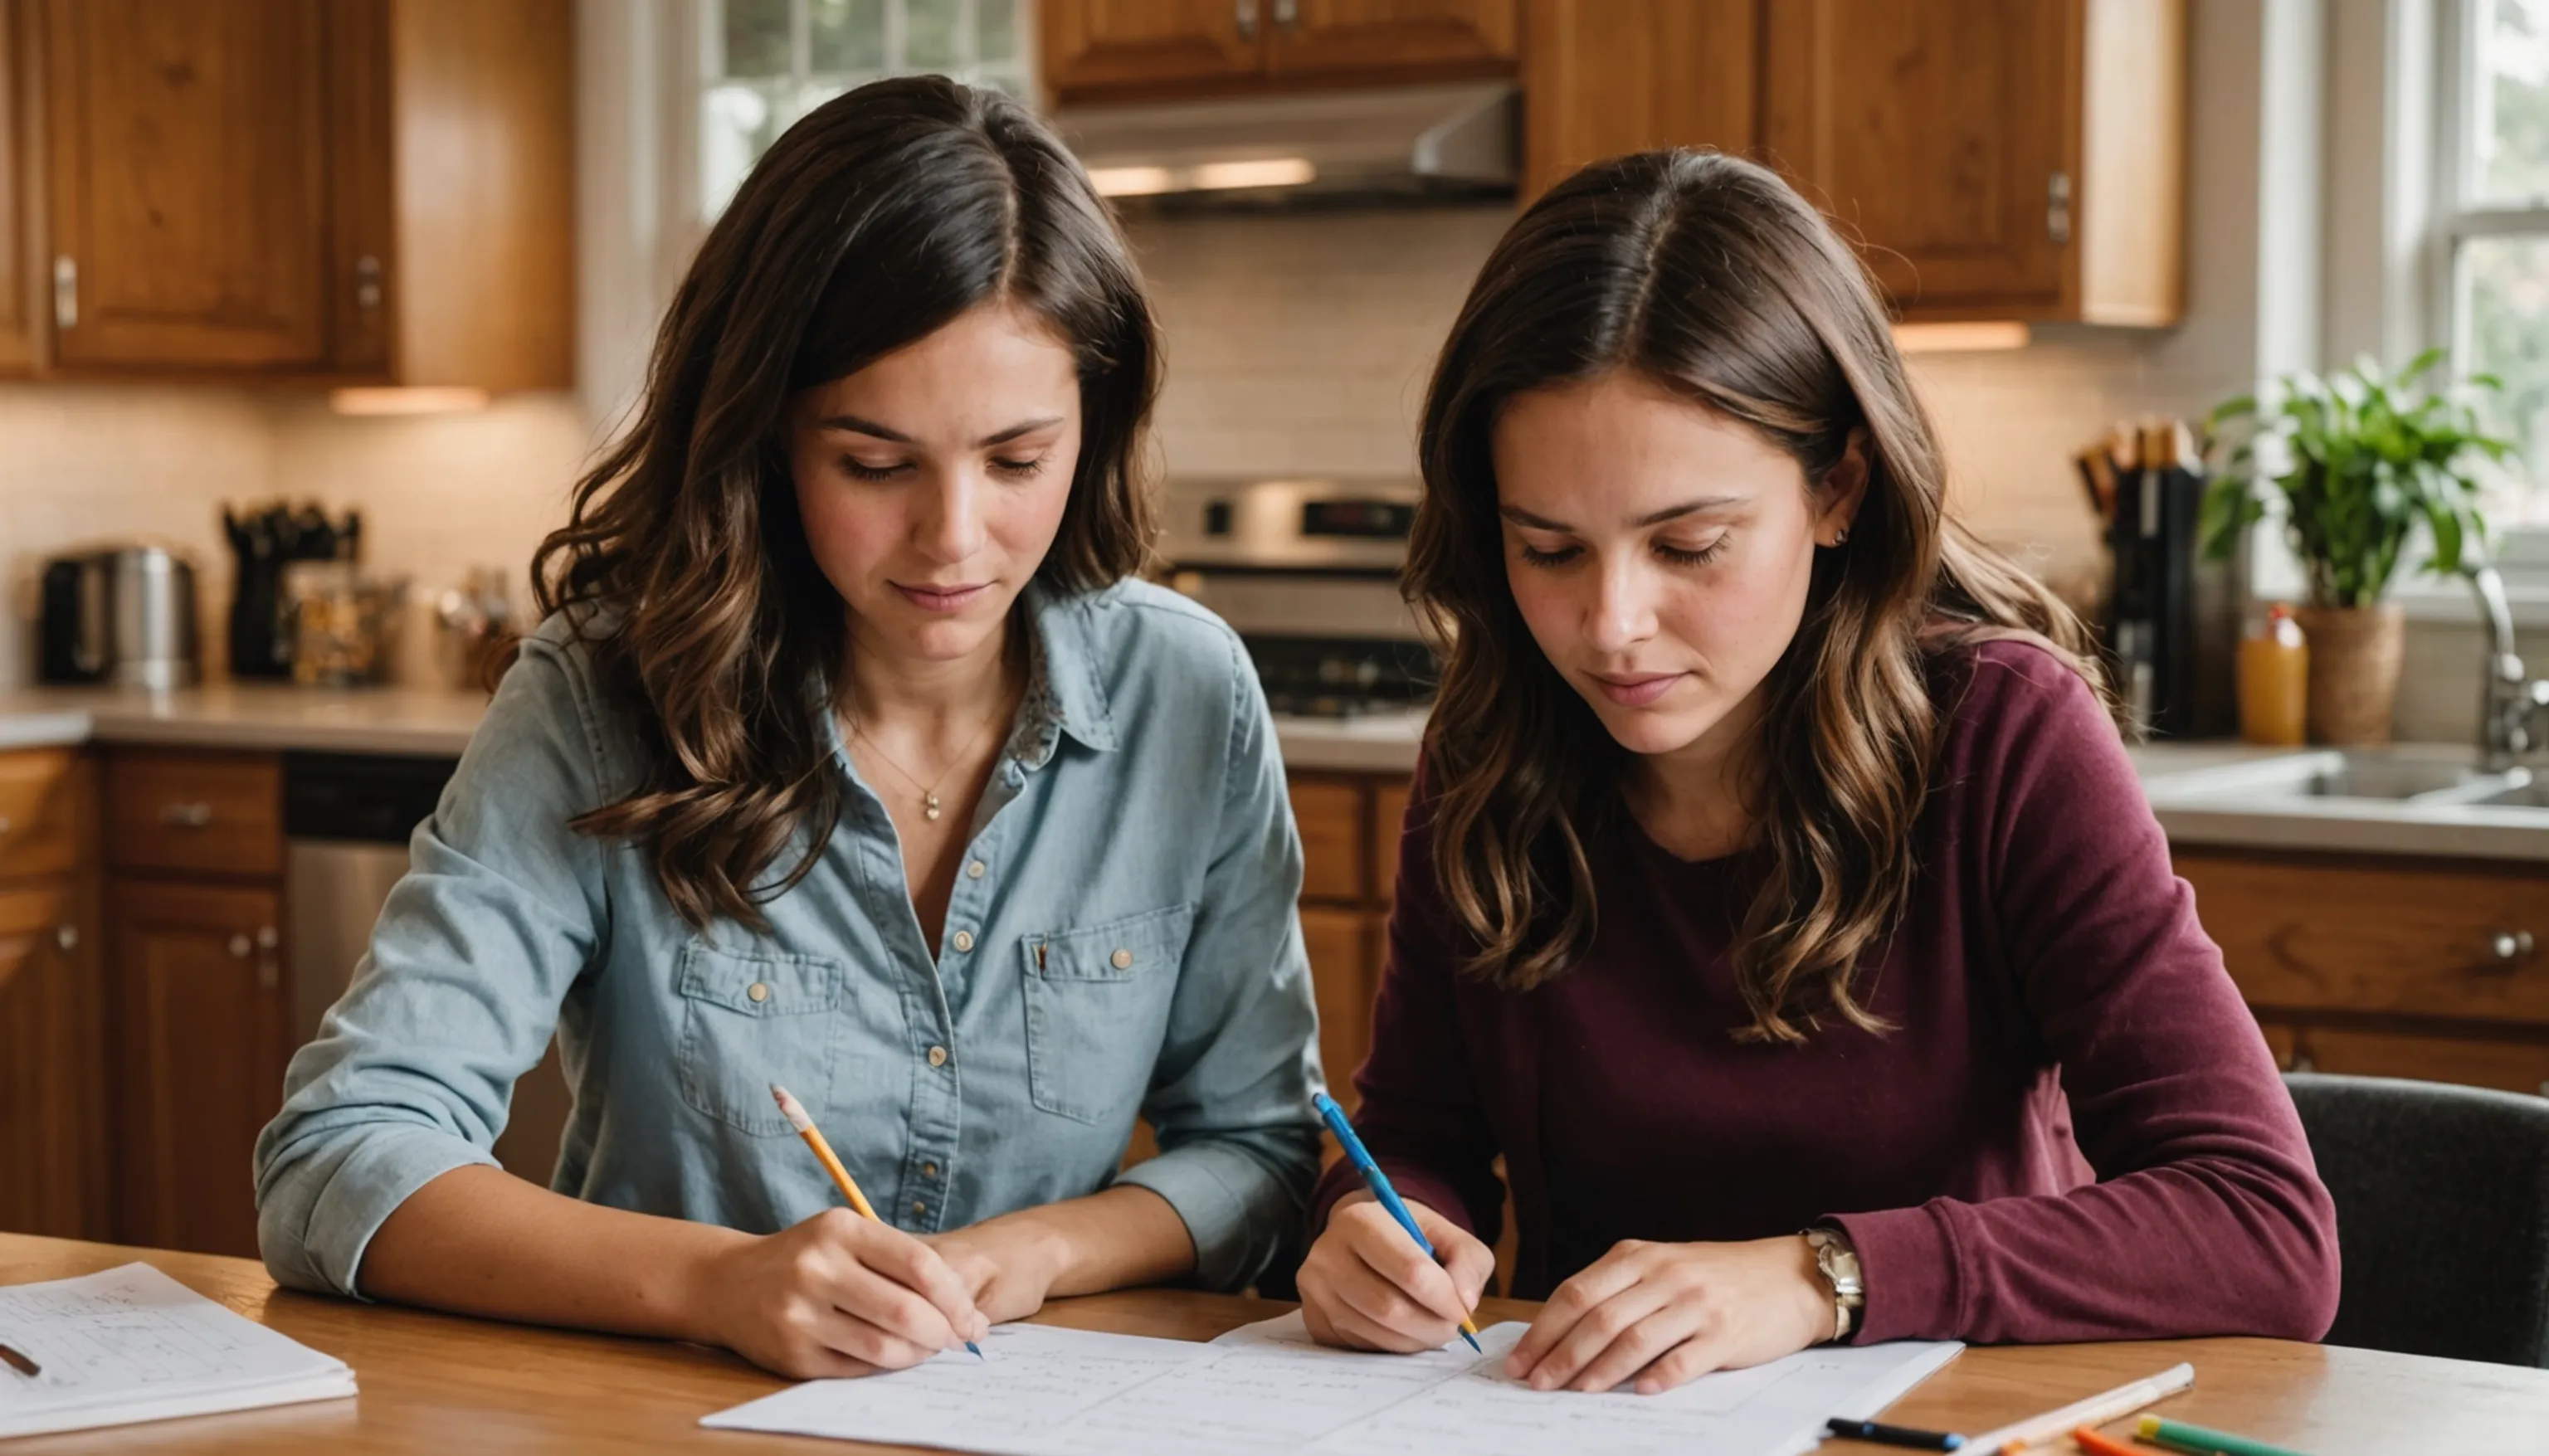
(930, 806)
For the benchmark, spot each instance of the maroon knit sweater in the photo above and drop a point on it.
(2073, 1131)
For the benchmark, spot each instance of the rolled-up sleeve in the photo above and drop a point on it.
(1230, 1093)
(413, 1071)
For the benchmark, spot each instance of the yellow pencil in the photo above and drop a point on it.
(794, 1112)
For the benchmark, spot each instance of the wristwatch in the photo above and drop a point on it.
(1838, 1263)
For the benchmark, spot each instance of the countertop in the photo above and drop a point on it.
(407, 720)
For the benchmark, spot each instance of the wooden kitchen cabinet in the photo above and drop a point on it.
(1390, 37)
(53, 1164)
(194, 846)
(342, 190)
(1340, 944)
(1129, 49)
(18, 333)
(2386, 966)
(1604, 77)
(203, 1022)
(1993, 159)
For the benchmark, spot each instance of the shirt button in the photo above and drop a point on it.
(964, 940)
(977, 870)
(937, 1057)
(919, 1209)
(929, 1170)
(757, 991)
(1123, 960)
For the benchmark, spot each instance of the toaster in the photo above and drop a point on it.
(125, 614)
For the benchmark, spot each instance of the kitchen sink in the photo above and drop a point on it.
(2415, 776)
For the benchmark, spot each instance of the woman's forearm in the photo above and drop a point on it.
(1111, 1239)
(478, 1240)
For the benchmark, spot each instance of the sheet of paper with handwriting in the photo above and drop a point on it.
(1266, 1388)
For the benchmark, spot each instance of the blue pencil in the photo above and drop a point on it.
(1378, 1182)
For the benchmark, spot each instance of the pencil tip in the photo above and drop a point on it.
(1473, 1341)
(976, 1349)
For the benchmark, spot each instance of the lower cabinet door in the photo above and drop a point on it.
(203, 1018)
(52, 1062)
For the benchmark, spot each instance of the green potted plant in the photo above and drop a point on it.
(2352, 463)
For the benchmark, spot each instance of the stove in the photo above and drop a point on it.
(1306, 571)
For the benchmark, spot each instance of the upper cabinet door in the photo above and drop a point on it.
(1604, 77)
(18, 332)
(1941, 134)
(1391, 36)
(188, 162)
(1119, 46)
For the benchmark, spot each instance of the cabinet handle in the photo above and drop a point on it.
(1288, 14)
(2057, 208)
(1244, 13)
(2511, 945)
(367, 284)
(67, 937)
(65, 292)
(266, 939)
(186, 816)
(238, 947)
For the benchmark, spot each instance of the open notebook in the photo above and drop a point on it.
(132, 1344)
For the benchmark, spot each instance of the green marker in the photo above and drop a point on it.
(2177, 1435)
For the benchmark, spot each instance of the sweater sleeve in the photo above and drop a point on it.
(2208, 1216)
(1420, 1114)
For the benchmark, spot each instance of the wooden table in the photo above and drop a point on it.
(440, 1383)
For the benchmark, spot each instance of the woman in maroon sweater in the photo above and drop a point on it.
(1777, 900)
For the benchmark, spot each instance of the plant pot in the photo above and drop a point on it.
(2354, 658)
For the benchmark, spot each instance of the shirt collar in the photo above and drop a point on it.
(1068, 665)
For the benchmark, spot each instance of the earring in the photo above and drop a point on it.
(1842, 536)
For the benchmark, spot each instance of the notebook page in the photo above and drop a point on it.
(132, 1343)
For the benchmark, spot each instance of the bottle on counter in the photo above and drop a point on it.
(2274, 681)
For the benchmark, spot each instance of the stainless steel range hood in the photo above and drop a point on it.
(1401, 142)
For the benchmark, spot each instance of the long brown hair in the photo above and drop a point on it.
(876, 220)
(1710, 275)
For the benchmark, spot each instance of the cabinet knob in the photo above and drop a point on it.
(266, 939)
(1244, 15)
(2303, 1063)
(67, 937)
(2511, 945)
(1288, 14)
(186, 816)
(240, 946)
(65, 292)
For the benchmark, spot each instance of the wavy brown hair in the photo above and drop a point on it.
(1708, 274)
(876, 220)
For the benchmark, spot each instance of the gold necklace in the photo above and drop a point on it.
(930, 808)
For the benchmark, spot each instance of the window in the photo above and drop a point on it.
(2495, 221)
(768, 62)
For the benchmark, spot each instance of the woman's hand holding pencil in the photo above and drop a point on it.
(841, 1293)
(1366, 1285)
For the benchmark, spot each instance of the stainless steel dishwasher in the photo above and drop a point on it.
(347, 818)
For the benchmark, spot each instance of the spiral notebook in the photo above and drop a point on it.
(132, 1344)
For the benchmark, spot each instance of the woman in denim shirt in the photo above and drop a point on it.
(848, 759)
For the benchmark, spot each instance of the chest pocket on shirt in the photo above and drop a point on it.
(1097, 1006)
(749, 1020)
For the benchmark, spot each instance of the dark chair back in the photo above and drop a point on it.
(2442, 1214)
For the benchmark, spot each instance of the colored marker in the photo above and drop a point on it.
(2177, 1435)
(1895, 1435)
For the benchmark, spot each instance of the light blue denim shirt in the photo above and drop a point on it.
(1122, 939)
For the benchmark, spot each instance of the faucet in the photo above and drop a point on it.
(2511, 697)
